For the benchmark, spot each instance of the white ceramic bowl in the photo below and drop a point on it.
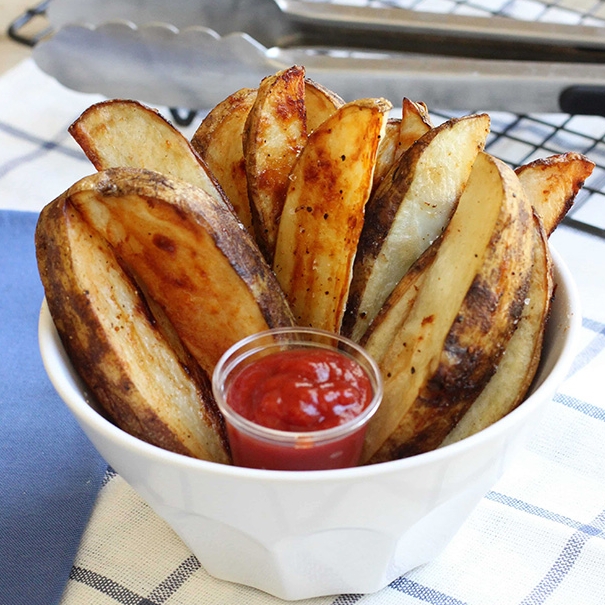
(309, 533)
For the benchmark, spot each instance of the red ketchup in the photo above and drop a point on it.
(300, 408)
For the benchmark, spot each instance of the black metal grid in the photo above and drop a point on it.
(588, 12)
(518, 139)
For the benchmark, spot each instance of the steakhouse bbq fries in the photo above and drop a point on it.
(290, 206)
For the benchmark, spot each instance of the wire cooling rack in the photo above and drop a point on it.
(518, 139)
(588, 12)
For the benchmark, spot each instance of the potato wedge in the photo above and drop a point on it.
(400, 135)
(142, 378)
(519, 363)
(324, 212)
(384, 329)
(415, 122)
(408, 212)
(195, 258)
(471, 299)
(274, 134)
(552, 184)
(218, 141)
(320, 103)
(388, 152)
(118, 133)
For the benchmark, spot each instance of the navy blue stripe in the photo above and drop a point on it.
(175, 580)
(40, 142)
(423, 593)
(580, 406)
(108, 587)
(590, 530)
(591, 324)
(563, 564)
(43, 146)
(570, 552)
(594, 347)
(347, 599)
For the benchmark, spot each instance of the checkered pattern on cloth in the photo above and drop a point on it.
(538, 535)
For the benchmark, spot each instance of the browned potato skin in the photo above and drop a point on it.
(382, 218)
(274, 134)
(194, 257)
(218, 141)
(552, 184)
(80, 274)
(478, 336)
(517, 368)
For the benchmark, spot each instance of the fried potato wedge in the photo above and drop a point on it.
(384, 329)
(274, 134)
(194, 257)
(519, 363)
(320, 103)
(118, 133)
(552, 184)
(324, 212)
(388, 151)
(462, 318)
(400, 135)
(408, 212)
(218, 141)
(415, 122)
(141, 377)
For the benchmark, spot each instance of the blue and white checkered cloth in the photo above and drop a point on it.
(73, 532)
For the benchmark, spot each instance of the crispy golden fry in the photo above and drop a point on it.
(194, 257)
(408, 212)
(462, 318)
(320, 104)
(218, 141)
(131, 362)
(274, 134)
(519, 363)
(118, 133)
(552, 184)
(324, 212)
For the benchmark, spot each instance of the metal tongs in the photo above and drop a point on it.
(194, 53)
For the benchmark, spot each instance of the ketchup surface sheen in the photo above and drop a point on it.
(301, 390)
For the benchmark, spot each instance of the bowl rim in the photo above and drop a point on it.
(66, 385)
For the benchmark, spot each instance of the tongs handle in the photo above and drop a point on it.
(583, 100)
(400, 20)
(14, 29)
